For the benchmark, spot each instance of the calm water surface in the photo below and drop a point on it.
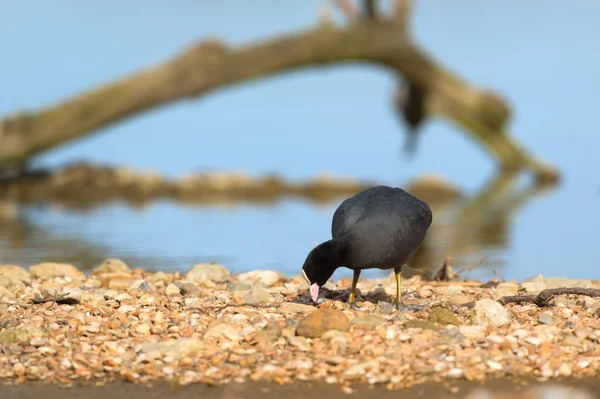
(543, 56)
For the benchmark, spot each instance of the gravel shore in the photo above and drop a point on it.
(60, 326)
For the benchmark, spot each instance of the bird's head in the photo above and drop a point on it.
(319, 266)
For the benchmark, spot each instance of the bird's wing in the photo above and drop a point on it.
(345, 216)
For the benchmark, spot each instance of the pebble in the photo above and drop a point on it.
(209, 271)
(226, 331)
(534, 287)
(488, 311)
(266, 277)
(473, 332)
(369, 320)
(120, 284)
(505, 289)
(443, 316)
(256, 295)
(459, 299)
(214, 337)
(422, 324)
(172, 289)
(51, 270)
(319, 321)
(111, 266)
(22, 334)
(385, 307)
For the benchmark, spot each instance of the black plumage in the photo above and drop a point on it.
(379, 228)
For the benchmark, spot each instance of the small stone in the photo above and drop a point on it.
(295, 308)
(235, 286)
(5, 293)
(223, 331)
(140, 285)
(423, 324)
(360, 369)
(175, 348)
(449, 290)
(15, 272)
(266, 277)
(93, 299)
(571, 340)
(119, 284)
(459, 299)
(505, 289)
(208, 271)
(160, 277)
(488, 311)
(172, 289)
(111, 266)
(190, 289)
(534, 287)
(22, 334)
(595, 306)
(321, 320)
(256, 295)
(563, 282)
(369, 320)
(399, 317)
(545, 320)
(473, 332)
(51, 270)
(126, 308)
(270, 333)
(443, 316)
(143, 329)
(494, 365)
(385, 307)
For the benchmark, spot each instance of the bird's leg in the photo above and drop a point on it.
(397, 272)
(399, 305)
(352, 298)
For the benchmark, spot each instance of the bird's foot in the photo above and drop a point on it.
(352, 306)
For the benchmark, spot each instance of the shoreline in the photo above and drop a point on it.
(205, 327)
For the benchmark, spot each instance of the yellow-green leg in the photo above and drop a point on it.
(352, 298)
(397, 271)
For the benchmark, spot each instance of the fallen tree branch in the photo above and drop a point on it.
(543, 298)
(211, 65)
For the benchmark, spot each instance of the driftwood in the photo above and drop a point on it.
(368, 38)
(543, 298)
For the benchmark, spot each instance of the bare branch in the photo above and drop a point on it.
(370, 9)
(544, 297)
(401, 11)
(211, 65)
(348, 8)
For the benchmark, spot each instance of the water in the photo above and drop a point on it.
(543, 57)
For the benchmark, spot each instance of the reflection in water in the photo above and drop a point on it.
(476, 230)
(470, 229)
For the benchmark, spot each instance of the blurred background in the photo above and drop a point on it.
(541, 56)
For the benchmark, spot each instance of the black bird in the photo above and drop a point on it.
(379, 228)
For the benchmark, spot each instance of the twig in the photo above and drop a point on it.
(543, 298)
(60, 300)
(468, 269)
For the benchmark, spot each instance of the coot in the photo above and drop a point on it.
(379, 228)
